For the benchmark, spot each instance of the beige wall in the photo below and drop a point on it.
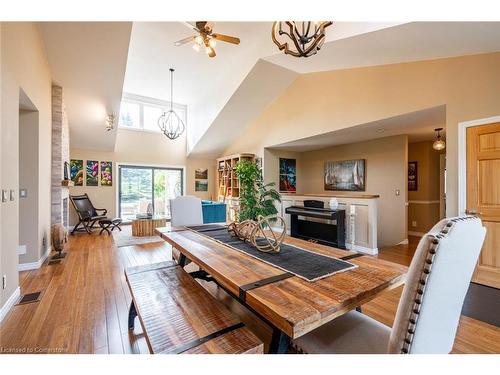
(467, 85)
(24, 65)
(385, 172)
(141, 148)
(423, 204)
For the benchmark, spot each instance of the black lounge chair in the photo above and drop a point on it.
(87, 213)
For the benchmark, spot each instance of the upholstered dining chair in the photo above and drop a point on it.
(430, 305)
(186, 210)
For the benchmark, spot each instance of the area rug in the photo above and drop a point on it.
(303, 263)
(125, 238)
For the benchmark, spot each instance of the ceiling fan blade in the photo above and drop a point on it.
(189, 26)
(184, 41)
(226, 38)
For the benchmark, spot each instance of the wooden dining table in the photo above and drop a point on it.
(291, 305)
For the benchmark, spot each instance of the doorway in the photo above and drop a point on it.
(140, 186)
(30, 246)
(482, 197)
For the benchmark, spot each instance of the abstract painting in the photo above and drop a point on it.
(76, 171)
(345, 175)
(201, 174)
(201, 185)
(92, 173)
(288, 175)
(106, 173)
(412, 176)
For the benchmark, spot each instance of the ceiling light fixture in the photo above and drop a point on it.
(169, 122)
(206, 37)
(438, 144)
(303, 38)
(110, 122)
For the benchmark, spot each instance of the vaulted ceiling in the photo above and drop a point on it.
(226, 93)
(88, 59)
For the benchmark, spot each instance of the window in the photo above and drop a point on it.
(130, 114)
(139, 186)
(151, 116)
(142, 113)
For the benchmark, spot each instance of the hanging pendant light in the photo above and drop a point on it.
(299, 38)
(438, 144)
(169, 122)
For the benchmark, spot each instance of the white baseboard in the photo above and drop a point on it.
(10, 302)
(361, 249)
(417, 234)
(404, 242)
(34, 265)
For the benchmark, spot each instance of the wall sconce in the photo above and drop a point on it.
(110, 122)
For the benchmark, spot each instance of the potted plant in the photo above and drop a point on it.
(256, 198)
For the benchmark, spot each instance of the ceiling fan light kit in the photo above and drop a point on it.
(206, 37)
(299, 38)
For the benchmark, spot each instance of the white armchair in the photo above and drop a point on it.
(430, 305)
(186, 210)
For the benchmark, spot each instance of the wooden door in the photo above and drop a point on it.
(483, 196)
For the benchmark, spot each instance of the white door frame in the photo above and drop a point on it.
(462, 158)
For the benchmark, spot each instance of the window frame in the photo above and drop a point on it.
(144, 101)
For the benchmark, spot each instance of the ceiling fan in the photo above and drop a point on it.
(206, 37)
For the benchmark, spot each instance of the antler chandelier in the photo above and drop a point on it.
(299, 38)
(169, 122)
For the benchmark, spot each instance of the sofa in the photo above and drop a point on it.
(213, 212)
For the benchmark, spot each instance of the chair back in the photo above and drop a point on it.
(436, 284)
(186, 210)
(83, 206)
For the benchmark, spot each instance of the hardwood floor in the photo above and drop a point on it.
(85, 303)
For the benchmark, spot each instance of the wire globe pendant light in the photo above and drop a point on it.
(169, 122)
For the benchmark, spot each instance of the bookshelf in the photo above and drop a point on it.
(228, 189)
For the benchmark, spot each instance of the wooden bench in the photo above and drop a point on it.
(179, 316)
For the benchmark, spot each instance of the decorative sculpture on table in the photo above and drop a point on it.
(59, 236)
(150, 210)
(260, 234)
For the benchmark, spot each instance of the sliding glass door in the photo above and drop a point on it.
(139, 186)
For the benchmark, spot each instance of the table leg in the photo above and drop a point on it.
(279, 342)
(132, 313)
(182, 260)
